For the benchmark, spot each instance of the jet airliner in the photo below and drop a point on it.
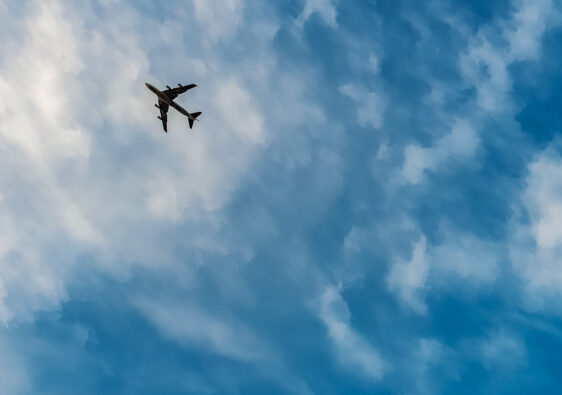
(166, 100)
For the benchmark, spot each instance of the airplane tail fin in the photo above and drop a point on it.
(194, 115)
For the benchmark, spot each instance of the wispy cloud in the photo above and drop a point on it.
(408, 279)
(374, 145)
(193, 327)
(353, 352)
(325, 8)
(460, 144)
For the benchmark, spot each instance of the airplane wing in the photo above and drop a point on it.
(163, 114)
(172, 93)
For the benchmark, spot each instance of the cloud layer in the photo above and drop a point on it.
(369, 203)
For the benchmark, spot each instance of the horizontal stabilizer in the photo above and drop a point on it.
(192, 118)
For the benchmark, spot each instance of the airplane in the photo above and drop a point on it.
(166, 100)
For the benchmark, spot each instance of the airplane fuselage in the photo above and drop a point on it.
(162, 96)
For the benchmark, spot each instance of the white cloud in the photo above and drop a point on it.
(467, 257)
(370, 105)
(485, 67)
(502, 351)
(460, 144)
(219, 18)
(408, 278)
(543, 199)
(524, 31)
(85, 166)
(353, 352)
(196, 327)
(485, 63)
(39, 137)
(460, 256)
(536, 243)
(325, 8)
(87, 171)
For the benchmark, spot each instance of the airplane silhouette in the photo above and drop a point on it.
(166, 100)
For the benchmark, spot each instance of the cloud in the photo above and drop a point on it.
(536, 240)
(352, 351)
(484, 66)
(467, 257)
(219, 19)
(270, 195)
(486, 61)
(460, 144)
(325, 8)
(502, 351)
(192, 327)
(528, 24)
(370, 105)
(408, 278)
(543, 199)
(457, 259)
(77, 100)
(90, 184)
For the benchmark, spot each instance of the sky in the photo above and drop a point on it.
(370, 203)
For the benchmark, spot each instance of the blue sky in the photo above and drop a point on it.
(370, 203)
